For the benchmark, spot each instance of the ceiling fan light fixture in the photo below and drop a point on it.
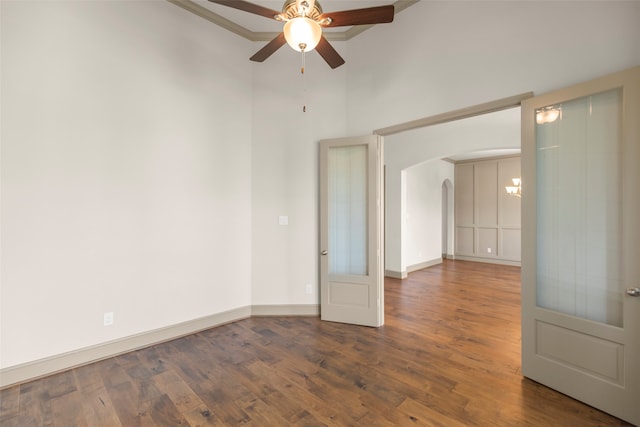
(302, 34)
(304, 21)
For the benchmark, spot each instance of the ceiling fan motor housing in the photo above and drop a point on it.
(290, 10)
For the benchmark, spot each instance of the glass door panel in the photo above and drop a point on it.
(579, 241)
(347, 197)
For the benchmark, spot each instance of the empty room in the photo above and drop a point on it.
(205, 222)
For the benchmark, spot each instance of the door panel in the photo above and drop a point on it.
(581, 234)
(351, 275)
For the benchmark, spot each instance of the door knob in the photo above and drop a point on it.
(324, 252)
(634, 292)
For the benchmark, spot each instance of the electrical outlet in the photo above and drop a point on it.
(309, 289)
(488, 250)
(108, 318)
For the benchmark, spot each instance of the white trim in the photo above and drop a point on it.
(426, 264)
(61, 362)
(463, 113)
(396, 274)
(412, 268)
(489, 260)
(286, 310)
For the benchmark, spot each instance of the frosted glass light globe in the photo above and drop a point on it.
(302, 34)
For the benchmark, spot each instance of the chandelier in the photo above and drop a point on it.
(515, 189)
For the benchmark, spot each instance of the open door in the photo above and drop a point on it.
(581, 242)
(351, 238)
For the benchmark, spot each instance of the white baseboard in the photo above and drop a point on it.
(286, 310)
(426, 264)
(396, 274)
(61, 362)
(489, 260)
(411, 269)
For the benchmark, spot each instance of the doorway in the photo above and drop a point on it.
(492, 126)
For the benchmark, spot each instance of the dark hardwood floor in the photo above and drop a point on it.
(448, 355)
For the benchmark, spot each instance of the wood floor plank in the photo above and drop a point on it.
(67, 410)
(185, 400)
(300, 386)
(96, 402)
(301, 400)
(35, 403)
(425, 415)
(164, 412)
(448, 355)
(221, 392)
(9, 401)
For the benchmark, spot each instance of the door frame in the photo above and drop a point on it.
(454, 115)
(451, 116)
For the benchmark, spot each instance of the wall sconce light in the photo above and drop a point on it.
(547, 115)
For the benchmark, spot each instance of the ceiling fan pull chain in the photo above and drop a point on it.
(304, 86)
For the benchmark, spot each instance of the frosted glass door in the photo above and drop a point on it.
(581, 242)
(351, 264)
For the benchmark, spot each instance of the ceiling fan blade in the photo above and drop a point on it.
(370, 15)
(248, 7)
(329, 54)
(269, 49)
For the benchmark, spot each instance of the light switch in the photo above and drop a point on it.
(283, 220)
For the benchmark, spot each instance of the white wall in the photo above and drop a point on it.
(423, 218)
(126, 172)
(285, 170)
(440, 56)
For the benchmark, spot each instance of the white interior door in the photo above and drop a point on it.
(581, 242)
(351, 238)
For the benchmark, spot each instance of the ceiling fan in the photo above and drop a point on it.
(304, 20)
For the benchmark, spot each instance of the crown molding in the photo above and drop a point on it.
(229, 25)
